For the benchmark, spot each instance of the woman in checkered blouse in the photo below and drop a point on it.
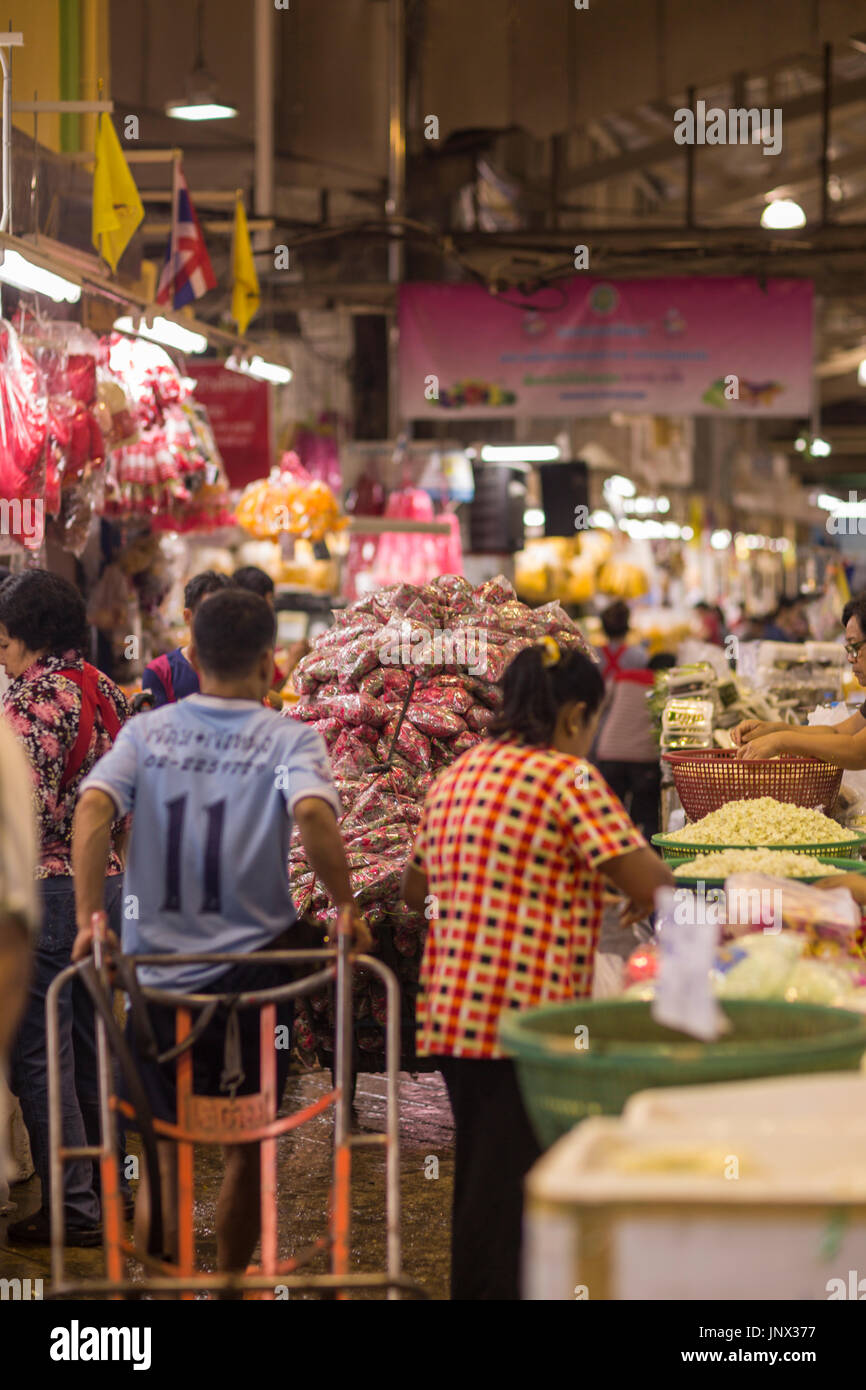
(515, 843)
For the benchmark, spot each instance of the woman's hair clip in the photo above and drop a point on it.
(550, 653)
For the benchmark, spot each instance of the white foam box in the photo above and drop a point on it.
(747, 1190)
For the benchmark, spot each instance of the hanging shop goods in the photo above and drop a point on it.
(407, 679)
(289, 502)
(23, 428)
(414, 557)
(171, 471)
(107, 426)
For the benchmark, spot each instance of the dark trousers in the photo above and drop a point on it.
(638, 786)
(495, 1148)
(77, 1044)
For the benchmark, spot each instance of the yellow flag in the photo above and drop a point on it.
(117, 208)
(245, 287)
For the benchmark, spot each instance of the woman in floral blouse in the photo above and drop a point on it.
(67, 715)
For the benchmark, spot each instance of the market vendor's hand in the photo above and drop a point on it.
(632, 913)
(747, 730)
(767, 746)
(855, 883)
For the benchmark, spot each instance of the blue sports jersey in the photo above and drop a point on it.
(211, 783)
(184, 679)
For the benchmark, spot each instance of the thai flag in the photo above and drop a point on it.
(187, 273)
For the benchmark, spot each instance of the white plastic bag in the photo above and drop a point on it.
(854, 783)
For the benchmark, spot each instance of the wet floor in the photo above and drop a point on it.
(426, 1166)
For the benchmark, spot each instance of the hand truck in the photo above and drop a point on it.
(224, 1120)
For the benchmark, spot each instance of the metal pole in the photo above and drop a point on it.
(264, 117)
(395, 204)
(392, 1118)
(112, 1219)
(825, 134)
(690, 168)
(6, 65)
(342, 1209)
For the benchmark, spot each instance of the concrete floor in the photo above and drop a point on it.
(304, 1181)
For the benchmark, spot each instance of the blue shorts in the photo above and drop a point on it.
(208, 1052)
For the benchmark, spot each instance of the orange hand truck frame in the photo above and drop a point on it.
(225, 1120)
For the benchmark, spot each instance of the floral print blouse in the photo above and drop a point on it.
(43, 707)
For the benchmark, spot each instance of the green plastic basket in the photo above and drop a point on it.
(677, 850)
(849, 866)
(563, 1082)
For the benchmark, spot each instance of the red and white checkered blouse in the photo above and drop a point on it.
(511, 840)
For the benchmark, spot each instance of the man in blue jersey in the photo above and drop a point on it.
(214, 783)
(172, 676)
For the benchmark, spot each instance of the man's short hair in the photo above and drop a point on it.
(615, 619)
(231, 631)
(855, 608)
(254, 579)
(197, 588)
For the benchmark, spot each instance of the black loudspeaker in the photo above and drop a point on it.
(496, 515)
(564, 487)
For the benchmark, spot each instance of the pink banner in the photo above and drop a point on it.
(688, 346)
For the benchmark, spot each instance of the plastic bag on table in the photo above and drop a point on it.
(754, 900)
(854, 783)
(756, 966)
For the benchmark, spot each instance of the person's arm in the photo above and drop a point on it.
(107, 793)
(842, 750)
(14, 973)
(855, 883)
(751, 729)
(91, 846)
(637, 875)
(414, 887)
(326, 855)
(19, 900)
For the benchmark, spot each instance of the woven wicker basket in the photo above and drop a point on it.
(708, 778)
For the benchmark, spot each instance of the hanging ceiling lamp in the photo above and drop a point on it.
(200, 103)
(781, 214)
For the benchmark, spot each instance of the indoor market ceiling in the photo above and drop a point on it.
(555, 127)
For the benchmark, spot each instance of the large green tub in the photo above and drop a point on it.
(566, 1075)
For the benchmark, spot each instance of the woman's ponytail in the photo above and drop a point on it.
(538, 682)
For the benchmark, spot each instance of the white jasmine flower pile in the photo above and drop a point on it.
(762, 821)
(778, 863)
